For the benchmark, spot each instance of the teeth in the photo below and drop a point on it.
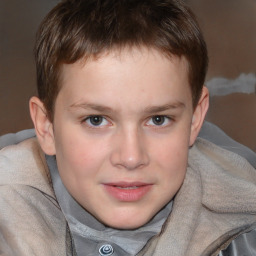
(128, 187)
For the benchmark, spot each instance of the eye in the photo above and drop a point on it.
(159, 121)
(96, 121)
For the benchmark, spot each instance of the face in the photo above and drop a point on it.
(122, 129)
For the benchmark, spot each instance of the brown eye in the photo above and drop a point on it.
(158, 120)
(161, 121)
(95, 120)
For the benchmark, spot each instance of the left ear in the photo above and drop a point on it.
(199, 115)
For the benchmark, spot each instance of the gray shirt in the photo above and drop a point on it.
(92, 238)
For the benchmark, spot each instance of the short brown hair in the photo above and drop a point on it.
(77, 29)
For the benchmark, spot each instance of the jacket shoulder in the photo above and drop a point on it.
(30, 220)
(25, 164)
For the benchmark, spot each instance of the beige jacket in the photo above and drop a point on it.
(216, 203)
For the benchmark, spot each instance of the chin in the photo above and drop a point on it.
(125, 226)
(127, 223)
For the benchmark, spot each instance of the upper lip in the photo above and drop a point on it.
(124, 184)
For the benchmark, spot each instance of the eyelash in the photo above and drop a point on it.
(88, 120)
(167, 119)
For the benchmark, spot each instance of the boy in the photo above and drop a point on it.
(121, 101)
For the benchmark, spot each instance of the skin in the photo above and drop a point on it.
(124, 119)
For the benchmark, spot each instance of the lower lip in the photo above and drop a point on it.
(128, 195)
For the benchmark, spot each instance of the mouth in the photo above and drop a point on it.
(127, 187)
(127, 192)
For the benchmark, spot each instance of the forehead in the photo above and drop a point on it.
(126, 73)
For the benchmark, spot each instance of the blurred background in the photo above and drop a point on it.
(229, 27)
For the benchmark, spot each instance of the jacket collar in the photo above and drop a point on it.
(215, 204)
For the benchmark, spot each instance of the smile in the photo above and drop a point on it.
(127, 192)
(127, 187)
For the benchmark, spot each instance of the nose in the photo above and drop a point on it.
(130, 150)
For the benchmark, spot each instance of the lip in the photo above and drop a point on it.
(128, 191)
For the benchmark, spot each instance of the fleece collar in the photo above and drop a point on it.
(215, 204)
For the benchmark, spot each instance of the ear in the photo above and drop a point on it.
(43, 126)
(199, 115)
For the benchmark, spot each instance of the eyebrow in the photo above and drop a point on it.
(147, 110)
(156, 109)
(96, 107)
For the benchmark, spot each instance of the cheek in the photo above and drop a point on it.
(172, 159)
(80, 156)
(173, 149)
(79, 167)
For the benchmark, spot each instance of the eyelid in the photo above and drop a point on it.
(105, 119)
(169, 119)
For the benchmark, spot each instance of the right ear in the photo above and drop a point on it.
(43, 126)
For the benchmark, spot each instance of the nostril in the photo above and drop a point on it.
(130, 151)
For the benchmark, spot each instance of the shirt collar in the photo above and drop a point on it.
(89, 234)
